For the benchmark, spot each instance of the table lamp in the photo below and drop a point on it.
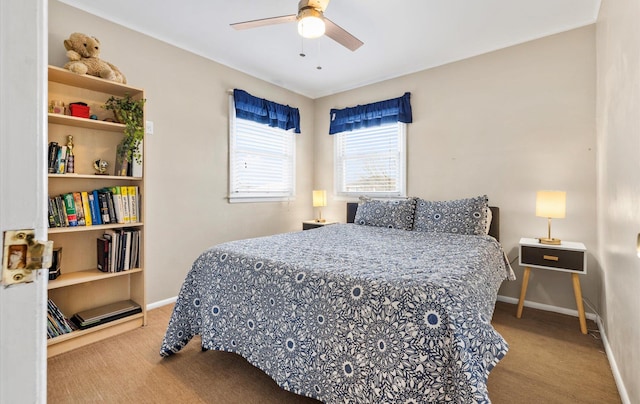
(319, 201)
(551, 204)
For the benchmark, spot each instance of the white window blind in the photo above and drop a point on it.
(371, 161)
(261, 160)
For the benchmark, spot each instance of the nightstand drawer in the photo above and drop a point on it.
(552, 258)
(309, 226)
(312, 224)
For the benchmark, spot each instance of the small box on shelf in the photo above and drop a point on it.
(79, 109)
(56, 260)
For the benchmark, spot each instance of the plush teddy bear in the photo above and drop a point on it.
(83, 52)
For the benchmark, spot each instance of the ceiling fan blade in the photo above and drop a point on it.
(338, 34)
(264, 22)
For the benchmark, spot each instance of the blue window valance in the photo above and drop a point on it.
(264, 111)
(375, 114)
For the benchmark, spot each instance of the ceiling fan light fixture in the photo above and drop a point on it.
(310, 23)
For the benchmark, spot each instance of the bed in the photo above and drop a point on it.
(353, 313)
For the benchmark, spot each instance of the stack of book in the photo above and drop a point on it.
(119, 250)
(57, 323)
(58, 158)
(119, 204)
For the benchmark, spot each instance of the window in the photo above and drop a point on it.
(371, 161)
(261, 161)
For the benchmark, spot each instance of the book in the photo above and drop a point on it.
(114, 257)
(62, 211)
(117, 204)
(135, 248)
(132, 192)
(62, 158)
(99, 208)
(104, 207)
(88, 218)
(109, 259)
(70, 208)
(93, 208)
(52, 158)
(53, 214)
(126, 255)
(112, 211)
(122, 245)
(77, 198)
(103, 245)
(57, 323)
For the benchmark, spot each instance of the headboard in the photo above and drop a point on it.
(494, 229)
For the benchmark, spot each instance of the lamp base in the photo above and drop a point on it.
(320, 220)
(550, 241)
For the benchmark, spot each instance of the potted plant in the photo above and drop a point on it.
(129, 112)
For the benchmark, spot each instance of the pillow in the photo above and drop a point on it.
(394, 214)
(461, 216)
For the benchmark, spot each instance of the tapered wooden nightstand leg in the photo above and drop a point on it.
(577, 291)
(523, 291)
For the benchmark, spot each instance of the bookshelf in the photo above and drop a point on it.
(81, 286)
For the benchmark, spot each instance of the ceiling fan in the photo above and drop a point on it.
(311, 24)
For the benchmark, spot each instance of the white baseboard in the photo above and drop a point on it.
(546, 307)
(155, 305)
(624, 396)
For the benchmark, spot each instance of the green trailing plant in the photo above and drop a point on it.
(129, 112)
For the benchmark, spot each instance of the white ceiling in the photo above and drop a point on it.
(400, 37)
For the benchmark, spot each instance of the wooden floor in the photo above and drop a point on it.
(549, 361)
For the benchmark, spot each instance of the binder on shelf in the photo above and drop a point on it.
(104, 314)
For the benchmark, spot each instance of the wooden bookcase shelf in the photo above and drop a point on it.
(81, 286)
(94, 177)
(85, 123)
(88, 275)
(76, 229)
(77, 338)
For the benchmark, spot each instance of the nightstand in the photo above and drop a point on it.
(312, 224)
(569, 256)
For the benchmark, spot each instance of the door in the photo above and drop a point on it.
(23, 94)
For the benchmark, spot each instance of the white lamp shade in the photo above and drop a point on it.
(310, 23)
(319, 198)
(551, 204)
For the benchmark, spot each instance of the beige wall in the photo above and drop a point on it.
(618, 109)
(507, 124)
(186, 157)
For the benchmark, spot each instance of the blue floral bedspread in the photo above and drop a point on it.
(352, 314)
